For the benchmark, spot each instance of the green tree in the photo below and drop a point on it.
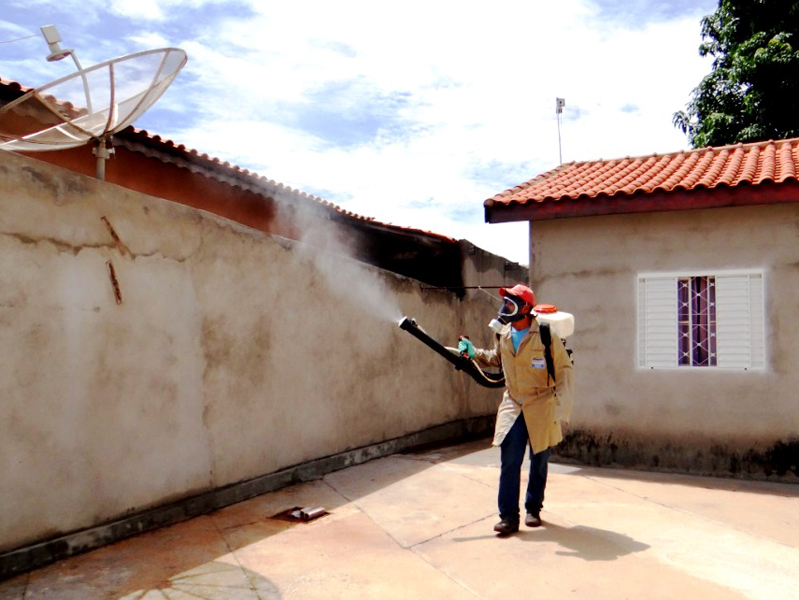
(752, 92)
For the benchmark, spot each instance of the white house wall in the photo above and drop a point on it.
(232, 354)
(701, 419)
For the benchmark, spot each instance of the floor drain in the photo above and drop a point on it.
(299, 514)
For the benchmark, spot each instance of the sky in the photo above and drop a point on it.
(412, 113)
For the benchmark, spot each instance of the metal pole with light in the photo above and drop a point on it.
(559, 104)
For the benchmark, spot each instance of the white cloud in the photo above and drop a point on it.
(150, 40)
(447, 102)
(149, 10)
(12, 31)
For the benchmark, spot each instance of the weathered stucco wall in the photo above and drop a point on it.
(705, 420)
(482, 268)
(232, 353)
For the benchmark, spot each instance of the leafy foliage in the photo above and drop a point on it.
(752, 92)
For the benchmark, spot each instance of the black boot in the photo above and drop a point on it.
(532, 520)
(505, 527)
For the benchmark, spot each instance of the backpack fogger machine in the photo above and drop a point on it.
(549, 318)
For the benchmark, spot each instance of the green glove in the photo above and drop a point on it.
(465, 347)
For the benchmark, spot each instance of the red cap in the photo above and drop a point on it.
(520, 291)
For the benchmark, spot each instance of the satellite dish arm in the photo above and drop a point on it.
(85, 79)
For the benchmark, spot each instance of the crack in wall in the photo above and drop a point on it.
(60, 245)
(74, 249)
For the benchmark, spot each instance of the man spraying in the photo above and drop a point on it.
(532, 406)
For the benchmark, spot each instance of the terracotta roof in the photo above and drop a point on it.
(233, 175)
(15, 87)
(154, 146)
(648, 183)
(165, 150)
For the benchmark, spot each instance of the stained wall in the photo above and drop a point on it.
(714, 421)
(150, 351)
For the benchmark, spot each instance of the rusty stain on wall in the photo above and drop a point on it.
(114, 282)
(123, 250)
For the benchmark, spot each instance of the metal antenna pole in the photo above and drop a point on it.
(559, 104)
(103, 151)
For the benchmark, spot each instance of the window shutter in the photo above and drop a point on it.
(739, 318)
(657, 327)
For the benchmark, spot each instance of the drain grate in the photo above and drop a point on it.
(301, 515)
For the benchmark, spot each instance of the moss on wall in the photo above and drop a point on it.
(777, 459)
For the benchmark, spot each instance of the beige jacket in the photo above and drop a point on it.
(545, 404)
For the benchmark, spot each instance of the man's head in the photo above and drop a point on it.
(518, 303)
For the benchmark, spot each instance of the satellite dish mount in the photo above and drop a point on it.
(90, 105)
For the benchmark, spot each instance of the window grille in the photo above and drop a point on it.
(701, 320)
(696, 309)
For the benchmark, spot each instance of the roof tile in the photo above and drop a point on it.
(725, 166)
(229, 173)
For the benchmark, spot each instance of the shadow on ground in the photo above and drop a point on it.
(587, 543)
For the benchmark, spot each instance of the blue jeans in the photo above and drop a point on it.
(512, 456)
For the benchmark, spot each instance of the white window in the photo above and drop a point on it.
(702, 320)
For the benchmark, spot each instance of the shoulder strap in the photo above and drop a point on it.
(546, 338)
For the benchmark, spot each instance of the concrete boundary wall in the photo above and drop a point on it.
(151, 354)
(40, 554)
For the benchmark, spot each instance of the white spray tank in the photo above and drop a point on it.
(560, 323)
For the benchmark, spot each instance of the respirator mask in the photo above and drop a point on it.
(510, 311)
(513, 302)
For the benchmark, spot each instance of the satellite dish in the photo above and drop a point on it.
(89, 105)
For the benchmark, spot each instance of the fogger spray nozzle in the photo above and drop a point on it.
(461, 363)
(406, 323)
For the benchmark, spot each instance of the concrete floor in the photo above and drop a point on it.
(419, 525)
